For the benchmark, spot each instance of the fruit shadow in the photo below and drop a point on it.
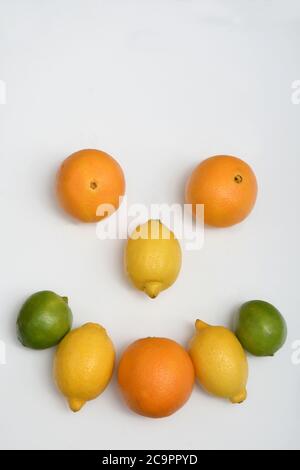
(49, 381)
(115, 262)
(180, 187)
(233, 315)
(12, 325)
(118, 266)
(115, 393)
(179, 193)
(45, 375)
(52, 200)
(122, 273)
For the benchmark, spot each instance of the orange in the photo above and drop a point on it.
(87, 179)
(226, 186)
(156, 376)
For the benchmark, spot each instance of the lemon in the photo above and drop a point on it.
(220, 362)
(83, 364)
(152, 258)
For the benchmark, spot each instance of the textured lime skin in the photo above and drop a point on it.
(44, 319)
(261, 328)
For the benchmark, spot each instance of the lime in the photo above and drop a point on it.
(261, 328)
(44, 319)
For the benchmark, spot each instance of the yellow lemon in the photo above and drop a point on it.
(83, 364)
(220, 362)
(152, 258)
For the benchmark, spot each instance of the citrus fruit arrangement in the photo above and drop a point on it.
(156, 376)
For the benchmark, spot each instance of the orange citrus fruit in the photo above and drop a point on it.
(156, 376)
(226, 186)
(88, 179)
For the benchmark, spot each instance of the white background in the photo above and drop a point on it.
(160, 85)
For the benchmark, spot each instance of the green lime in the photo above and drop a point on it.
(261, 328)
(44, 319)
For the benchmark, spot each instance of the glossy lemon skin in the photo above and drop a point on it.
(83, 364)
(152, 258)
(220, 362)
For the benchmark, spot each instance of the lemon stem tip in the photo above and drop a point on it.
(152, 289)
(240, 397)
(200, 325)
(76, 404)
